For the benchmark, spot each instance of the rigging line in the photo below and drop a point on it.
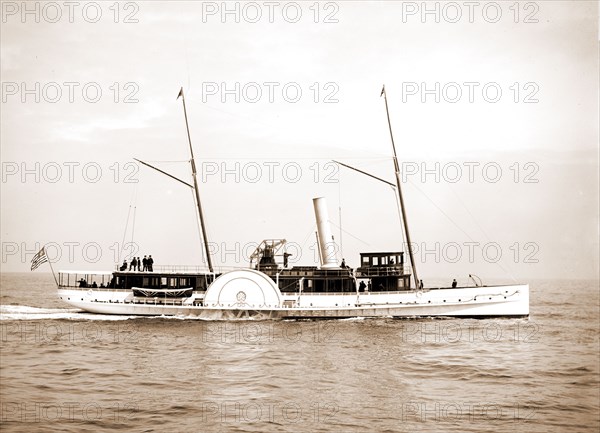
(310, 233)
(470, 214)
(163, 172)
(363, 172)
(397, 199)
(456, 225)
(340, 213)
(287, 157)
(440, 209)
(169, 162)
(132, 199)
(507, 271)
(124, 234)
(349, 234)
(133, 229)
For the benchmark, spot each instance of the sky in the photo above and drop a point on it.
(494, 110)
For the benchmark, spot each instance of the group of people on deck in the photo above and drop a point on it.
(146, 264)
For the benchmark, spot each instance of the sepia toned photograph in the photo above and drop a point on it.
(300, 216)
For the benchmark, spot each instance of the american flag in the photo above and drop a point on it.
(38, 259)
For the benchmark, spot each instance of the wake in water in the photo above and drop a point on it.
(25, 312)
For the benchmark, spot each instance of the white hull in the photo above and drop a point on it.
(487, 301)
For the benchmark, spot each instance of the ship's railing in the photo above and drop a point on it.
(72, 279)
(101, 289)
(383, 271)
(156, 301)
(180, 268)
(378, 292)
(187, 269)
(170, 269)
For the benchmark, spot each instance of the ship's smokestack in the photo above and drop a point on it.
(326, 244)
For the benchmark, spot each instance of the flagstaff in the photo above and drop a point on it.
(399, 186)
(197, 194)
(40, 258)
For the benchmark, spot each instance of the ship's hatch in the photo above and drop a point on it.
(243, 288)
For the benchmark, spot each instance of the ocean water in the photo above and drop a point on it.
(63, 370)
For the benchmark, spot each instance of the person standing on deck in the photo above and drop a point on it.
(285, 259)
(150, 263)
(145, 264)
(133, 264)
(139, 264)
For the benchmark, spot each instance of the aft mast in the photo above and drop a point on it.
(200, 214)
(399, 186)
